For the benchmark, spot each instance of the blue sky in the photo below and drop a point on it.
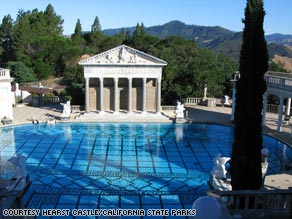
(127, 13)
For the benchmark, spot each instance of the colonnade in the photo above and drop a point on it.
(116, 95)
(280, 110)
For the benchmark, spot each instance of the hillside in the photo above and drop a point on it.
(285, 61)
(216, 38)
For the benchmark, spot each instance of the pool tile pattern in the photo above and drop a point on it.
(138, 166)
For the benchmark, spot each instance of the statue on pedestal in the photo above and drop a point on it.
(66, 109)
(179, 112)
(226, 102)
(219, 170)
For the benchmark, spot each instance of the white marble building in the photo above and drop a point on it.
(123, 79)
(6, 99)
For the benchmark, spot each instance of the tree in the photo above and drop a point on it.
(138, 37)
(77, 30)
(247, 144)
(77, 37)
(96, 26)
(21, 73)
(6, 39)
(128, 37)
(53, 22)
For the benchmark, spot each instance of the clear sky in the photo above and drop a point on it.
(127, 13)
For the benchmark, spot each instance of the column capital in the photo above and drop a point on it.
(101, 79)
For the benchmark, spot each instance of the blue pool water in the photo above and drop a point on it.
(126, 166)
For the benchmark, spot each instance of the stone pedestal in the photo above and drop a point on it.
(64, 118)
(6, 121)
(180, 120)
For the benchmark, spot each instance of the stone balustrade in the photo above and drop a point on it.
(193, 101)
(4, 74)
(168, 108)
(279, 80)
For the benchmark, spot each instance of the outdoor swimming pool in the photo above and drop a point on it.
(126, 166)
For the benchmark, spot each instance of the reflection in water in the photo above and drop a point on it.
(179, 132)
(7, 145)
(67, 131)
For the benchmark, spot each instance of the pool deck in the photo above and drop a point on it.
(197, 114)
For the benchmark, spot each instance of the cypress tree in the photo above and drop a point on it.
(247, 142)
(6, 40)
(96, 27)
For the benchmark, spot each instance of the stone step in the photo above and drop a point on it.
(123, 117)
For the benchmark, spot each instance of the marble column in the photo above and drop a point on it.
(158, 95)
(264, 112)
(280, 114)
(144, 95)
(87, 95)
(129, 95)
(288, 107)
(101, 95)
(116, 95)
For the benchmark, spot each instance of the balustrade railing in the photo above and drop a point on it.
(193, 101)
(77, 108)
(273, 108)
(279, 80)
(168, 108)
(249, 203)
(4, 73)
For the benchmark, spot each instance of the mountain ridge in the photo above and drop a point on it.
(215, 38)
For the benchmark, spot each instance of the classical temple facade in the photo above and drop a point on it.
(123, 79)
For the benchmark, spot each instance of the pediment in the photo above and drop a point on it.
(122, 55)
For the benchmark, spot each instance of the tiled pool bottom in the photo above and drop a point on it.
(110, 166)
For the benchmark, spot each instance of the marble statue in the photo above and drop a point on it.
(179, 112)
(133, 59)
(66, 109)
(219, 170)
(226, 102)
(17, 91)
(122, 55)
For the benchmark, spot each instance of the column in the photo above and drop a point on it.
(129, 95)
(158, 95)
(280, 114)
(144, 95)
(288, 107)
(101, 95)
(264, 112)
(116, 95)
(87, 95)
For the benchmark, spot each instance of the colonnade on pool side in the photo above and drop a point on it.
(279, 84)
